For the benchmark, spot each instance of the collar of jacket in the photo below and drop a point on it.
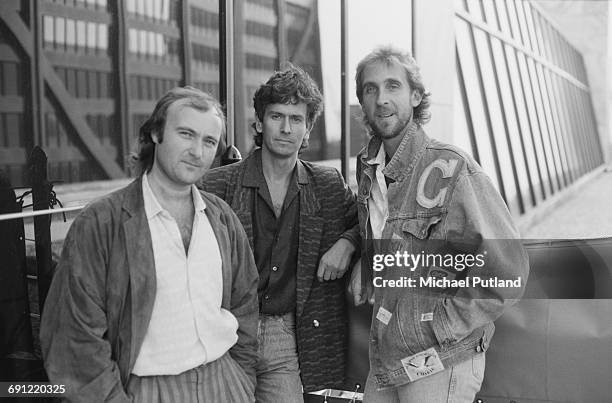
(253, 164)
(407, 154)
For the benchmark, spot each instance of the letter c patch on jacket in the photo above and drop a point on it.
(447, 168)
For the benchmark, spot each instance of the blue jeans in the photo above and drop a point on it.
(457, 384)
(278, 370)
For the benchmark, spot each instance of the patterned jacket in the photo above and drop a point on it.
(327, 213)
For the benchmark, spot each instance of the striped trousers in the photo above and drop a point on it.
(222, 380)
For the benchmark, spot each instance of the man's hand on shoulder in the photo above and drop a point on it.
(335, 262)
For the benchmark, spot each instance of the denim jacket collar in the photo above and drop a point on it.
(407, 154)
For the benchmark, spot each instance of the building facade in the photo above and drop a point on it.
(78, 77)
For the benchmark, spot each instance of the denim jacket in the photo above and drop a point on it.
(439, 200)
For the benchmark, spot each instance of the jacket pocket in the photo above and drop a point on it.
(421, 227)
(428, 310)
(427, 306)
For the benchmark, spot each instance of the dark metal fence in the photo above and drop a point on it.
(24, 280)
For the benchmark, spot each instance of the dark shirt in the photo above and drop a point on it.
(276, 247)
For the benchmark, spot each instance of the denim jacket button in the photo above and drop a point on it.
(315, 323)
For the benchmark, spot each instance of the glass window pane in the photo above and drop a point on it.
(535, 125)
(91, 35)
(475, 9)
(540, 30)
(516, 81)
(513, 18)
(461, 136)
(470, 78)
(130, 6)
(81, 34)
(520, 12)
(461, 5)
(583, 129)
(530, 29)
(544, 134)
(499, 144)
(552, 128)
(48, 30)
(70, 34)
(140, 7)
(558, 124)
(490, 14)
(565, 125)
(500, 6)
(142, 42)
(513, 134)
(60, 32)
(580, 127)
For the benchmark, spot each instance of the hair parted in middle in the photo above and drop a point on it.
(291, 85)
(391, 55)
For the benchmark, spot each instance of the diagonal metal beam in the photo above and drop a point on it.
(15, 24)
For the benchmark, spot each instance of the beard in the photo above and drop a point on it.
(387, 129)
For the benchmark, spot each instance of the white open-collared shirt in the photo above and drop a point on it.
(378, 203)
(188, 327)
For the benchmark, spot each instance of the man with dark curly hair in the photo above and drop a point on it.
(422, 198)
(301, 221)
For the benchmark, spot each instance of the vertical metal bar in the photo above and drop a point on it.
(518, 35)
(281, 32)
(599, 143)
(487, 113)
(119, 39)
(466, 106)
(570, 150)
(576, 129)
(345, 116)
(413, 31)
(505, 124)
(37, 88)
(557, 132)
(241, 131)
(16, 330)
(41, 190)
(226, 63)
(587, 129)
(513, 95)
(185, 42)
(520, 10)
(222, 53)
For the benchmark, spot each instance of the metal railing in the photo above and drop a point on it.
(25, 280)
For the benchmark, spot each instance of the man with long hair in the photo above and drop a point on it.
(431, 222)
